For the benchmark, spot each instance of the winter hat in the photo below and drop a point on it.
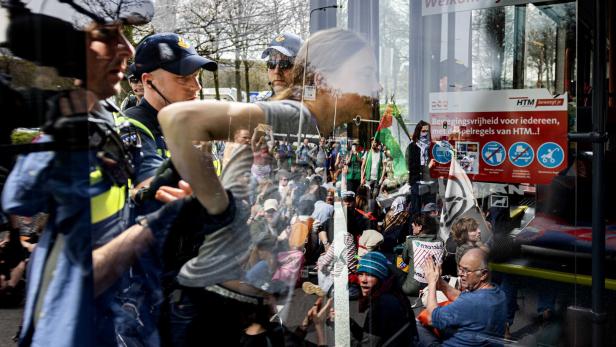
(375, 264)
(370, 239)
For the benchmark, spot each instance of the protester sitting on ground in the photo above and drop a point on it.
(395, 226)
(356, 220)
(370, 240)
(263, 160)
(424, 228)
(361, 198)
(261, 263)
(431, 209)
(328, 268)
(323, 223)
(241, 136)
(271, 221)
(214, 275)
(389, 318)
(477, 312)
(466, 234)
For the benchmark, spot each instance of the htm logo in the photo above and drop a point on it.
(525, 102)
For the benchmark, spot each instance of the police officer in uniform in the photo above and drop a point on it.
(134, 81)
(280, 56)
(169, 67)
(80, 170)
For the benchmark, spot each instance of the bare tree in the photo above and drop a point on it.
(240, 29)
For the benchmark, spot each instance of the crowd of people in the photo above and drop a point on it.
(218, 216)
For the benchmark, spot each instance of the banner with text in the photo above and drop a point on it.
(430, 7)
(421, 251)
(513, 136)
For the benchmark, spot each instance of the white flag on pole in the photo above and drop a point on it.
(460, 201)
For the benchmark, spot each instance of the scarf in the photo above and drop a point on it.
(424, 145)
(398, 204)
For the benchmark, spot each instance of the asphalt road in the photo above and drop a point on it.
(9, 321)
(526, 330)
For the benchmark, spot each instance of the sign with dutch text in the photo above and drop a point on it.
(511, 136)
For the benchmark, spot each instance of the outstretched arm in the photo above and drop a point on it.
(184, 123)
(254, 141)
(110, 261)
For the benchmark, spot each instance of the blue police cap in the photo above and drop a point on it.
(285, 43)
(170, 52)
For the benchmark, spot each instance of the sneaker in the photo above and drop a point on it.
(311, 288)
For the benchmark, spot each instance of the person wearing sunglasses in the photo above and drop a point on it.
(477, 312)
(134, 81)
(280, 56)
(341, 68)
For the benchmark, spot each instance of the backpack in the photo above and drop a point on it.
(299, 232)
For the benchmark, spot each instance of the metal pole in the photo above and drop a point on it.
(598, 224)
(301, 113)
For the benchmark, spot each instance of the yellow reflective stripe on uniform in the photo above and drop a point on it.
(96, 176)
(218, 167)
(108, 203)
(136, 123)
(167, 153)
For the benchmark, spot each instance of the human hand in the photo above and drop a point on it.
(432, 271)
(167, 194)
(431, 163)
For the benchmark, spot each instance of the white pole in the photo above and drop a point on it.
(342, 325)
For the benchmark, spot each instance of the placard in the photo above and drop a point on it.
(422, 250)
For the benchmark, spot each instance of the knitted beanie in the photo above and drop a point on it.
(375, 264)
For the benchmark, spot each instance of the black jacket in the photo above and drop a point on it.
(413, 162)
(387, 318)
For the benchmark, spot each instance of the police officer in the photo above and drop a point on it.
(169, 67)
(280, 56)
(82, 183)
(134, 81)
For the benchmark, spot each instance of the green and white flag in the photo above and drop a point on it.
(391, 132)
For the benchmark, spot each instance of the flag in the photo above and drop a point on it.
(460, 202)
(385, 134)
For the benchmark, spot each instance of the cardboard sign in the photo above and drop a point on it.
(422, 250)
(513, 136)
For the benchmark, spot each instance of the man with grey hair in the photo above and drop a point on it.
(477, 312)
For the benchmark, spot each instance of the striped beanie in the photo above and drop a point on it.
(375, 264)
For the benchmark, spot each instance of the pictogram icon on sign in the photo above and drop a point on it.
(521, 154)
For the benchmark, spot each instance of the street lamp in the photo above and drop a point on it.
(301, 111)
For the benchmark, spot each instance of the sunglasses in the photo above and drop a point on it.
(282, 64)
(134, 80)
